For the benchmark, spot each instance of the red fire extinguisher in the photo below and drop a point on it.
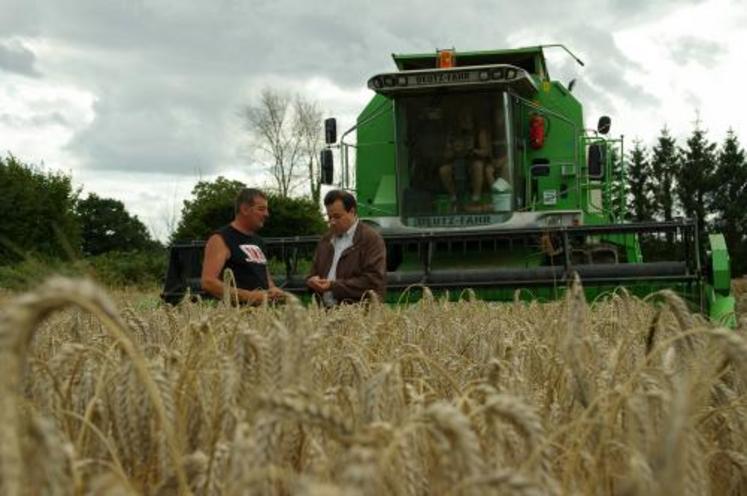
(536, 131)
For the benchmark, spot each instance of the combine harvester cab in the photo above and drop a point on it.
(477, 170)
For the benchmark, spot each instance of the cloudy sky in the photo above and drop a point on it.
(139, 99)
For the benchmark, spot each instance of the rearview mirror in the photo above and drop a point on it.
(603, 127)
(327, 167)
(330, 130)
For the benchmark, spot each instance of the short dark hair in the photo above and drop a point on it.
(348, 200)
(247, 195)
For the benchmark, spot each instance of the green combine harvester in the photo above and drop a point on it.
(477, 170)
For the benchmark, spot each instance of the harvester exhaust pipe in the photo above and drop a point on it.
(566, 49)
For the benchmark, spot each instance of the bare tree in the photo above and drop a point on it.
(272, 127)
(308, 128)
(169, 219)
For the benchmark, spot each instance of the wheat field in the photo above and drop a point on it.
(617, 397)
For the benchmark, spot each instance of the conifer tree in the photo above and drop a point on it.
(640, 183)
(663, 169)
(695, 180)
(729, 199)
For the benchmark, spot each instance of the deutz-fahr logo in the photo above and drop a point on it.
(450, 221)
(442, 77)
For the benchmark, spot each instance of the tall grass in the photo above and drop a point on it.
(436, 398)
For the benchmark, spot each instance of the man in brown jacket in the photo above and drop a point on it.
(351, 258)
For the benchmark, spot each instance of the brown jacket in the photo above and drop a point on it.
(361, 267)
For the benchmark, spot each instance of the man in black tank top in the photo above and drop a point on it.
(237, 247)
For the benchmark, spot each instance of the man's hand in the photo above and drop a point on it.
(276, 294)
(318, 284)
(258, 296)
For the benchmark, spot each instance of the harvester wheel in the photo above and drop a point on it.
(580, 256)
(604, 254)
(393, 257)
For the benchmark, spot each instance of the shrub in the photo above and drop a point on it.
(34, 269)
(134, 268)
(38, 216)
(114, 269)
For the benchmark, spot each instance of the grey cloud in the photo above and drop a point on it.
(698, 50)
(693, 100)
(37, 120)
(601, 82)
(740, 13)
(169, 76)
(17, 58)
(165, 138)
(634, 11)
(20, 17)
(609, 67)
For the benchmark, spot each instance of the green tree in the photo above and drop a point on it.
(211, 207)
(38, 212)
(639, 179)
(107, 226)
(663, 169)
(729, 200)
(293, 217)
(697, 166)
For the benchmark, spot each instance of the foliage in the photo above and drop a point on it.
(619, 187)
(114, 269)
(32, 270)
(663, 170)
(293, 217)
(134, 268)
(37, 208)
(639, 174)
(729, 200)
(696, 176)
(106, 226)
(212, 206)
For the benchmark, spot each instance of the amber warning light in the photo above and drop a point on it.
(446, 58)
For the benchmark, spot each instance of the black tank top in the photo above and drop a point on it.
(247, 260)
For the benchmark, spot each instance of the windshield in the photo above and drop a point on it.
(452, 157)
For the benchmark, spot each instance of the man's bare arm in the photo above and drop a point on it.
(216, 254)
